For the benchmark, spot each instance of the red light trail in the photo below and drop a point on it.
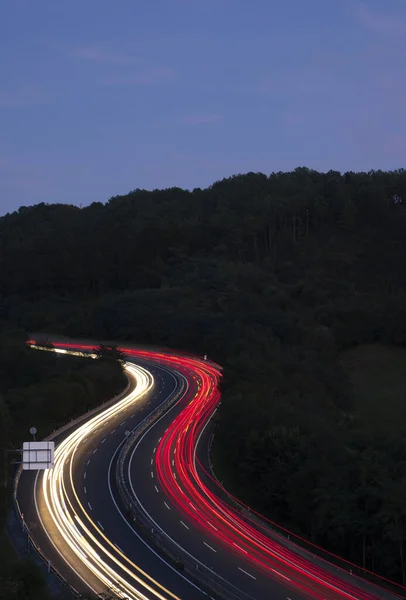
(181, 476)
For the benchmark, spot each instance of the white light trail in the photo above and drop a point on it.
(79, 532)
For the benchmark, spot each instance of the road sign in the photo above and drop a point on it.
(38, 455)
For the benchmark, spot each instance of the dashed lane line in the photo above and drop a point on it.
(281, 574)
(246, 572)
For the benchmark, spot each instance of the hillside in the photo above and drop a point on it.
(273, 277)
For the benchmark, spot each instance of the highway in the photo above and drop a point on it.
(76, 523)
(79, 520)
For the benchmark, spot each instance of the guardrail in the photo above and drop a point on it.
(364, 578)
(209, 582)
(33, 548)
(16, 506)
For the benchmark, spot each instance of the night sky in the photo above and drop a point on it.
(98, 98)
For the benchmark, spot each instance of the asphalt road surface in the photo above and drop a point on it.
(75, 514)
(92, 490)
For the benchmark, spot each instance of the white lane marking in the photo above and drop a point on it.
(94, 451)
(239, 547)
(84, 476)
(89, 505)
(280, 574)
(184, 525)
(174, 474)
(88, 462)
(194, 507)
(157, 490)
(246, 572)
(85, 490)
(152, 461)
(100, 525)
(167, 506)
(155, 523)
(118, 548)
(211, 525)
(132, 416)
(205, 543)
(160, 439)
(152, 474)
(111, 432)
(103, 440)
(194, 457)
(173, 463)
(122, 423)
(154, 450)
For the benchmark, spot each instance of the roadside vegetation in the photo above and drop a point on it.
(45, 390)
(377, 375)
(295, 283)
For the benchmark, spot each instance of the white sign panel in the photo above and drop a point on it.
(38, 455)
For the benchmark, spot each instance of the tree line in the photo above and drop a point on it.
(273, 277)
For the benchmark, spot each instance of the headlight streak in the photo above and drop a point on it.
(176, 452)
(80, 539)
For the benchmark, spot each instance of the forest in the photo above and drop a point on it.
(275, 277)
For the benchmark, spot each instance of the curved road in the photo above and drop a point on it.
(95, 543)
(92, 511)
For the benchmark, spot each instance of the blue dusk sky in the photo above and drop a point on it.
(98, 98)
